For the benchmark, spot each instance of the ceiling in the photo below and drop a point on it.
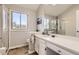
(49, 9)
(33, 7)
(56, 9)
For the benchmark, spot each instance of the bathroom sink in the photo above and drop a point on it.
(53, 36)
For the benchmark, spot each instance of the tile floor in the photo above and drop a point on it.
(20, 51)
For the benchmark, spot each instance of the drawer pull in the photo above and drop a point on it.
(59, 51)
(77, 31)
(45, 49)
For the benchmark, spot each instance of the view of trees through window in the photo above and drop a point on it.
(19, 20)
(46, 23)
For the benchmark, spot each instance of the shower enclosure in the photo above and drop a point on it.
(4, 30)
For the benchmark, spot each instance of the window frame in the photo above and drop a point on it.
(20, 20)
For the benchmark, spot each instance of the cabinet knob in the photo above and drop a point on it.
(77, 31)
(45, 49)
(59, 51)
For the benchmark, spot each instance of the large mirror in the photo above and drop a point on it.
(50, 23)
(53, 24)
(67, 22)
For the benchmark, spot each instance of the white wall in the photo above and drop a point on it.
(41, 14)
(18, 38)
(70, 20)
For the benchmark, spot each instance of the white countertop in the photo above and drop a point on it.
(71, 43)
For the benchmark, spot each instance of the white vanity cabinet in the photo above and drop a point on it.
(77, 23)
(63, 45)
(40, 46)
(58, 49)
(37, 44)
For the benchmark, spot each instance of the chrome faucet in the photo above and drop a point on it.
(45, 31)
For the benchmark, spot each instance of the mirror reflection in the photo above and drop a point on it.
(59, 22)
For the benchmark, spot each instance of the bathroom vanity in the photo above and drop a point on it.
(58, 44)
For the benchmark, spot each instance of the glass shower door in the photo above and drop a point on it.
(5, 30)
(4, 36)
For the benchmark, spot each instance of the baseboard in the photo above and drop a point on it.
(17, 46)
(30, 52)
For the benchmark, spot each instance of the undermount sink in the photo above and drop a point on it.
(53, 36)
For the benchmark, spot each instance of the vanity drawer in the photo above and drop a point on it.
(37, 45)
(42, 46)
(58, 49)
(42, 41)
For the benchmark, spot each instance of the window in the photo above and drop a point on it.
(46, 23)
(53, 24)
(19, 20)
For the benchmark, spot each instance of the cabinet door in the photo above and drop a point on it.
(42, 46)
(77, 23)
(37, 45)
(58, 49)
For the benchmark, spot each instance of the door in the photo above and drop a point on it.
(5, 27)
(77, 23)
(42, 47)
